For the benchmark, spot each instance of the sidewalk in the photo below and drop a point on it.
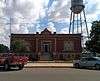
(49, 65)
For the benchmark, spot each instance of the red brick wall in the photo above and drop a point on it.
(60, 38)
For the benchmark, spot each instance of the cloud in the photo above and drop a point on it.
(60, 10)
(51, 27)
(64, 31)
(20, 13)
(91, 9)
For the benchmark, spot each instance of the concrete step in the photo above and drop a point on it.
(45, 57)
(55, 61)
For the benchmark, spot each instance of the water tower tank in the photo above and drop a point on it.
(77, 6)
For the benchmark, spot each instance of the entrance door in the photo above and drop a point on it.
(46, 51)
(46, 48)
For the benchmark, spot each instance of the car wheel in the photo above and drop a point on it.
(77, 65)
(97, 66)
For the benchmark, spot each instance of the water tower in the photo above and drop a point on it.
(77, 16)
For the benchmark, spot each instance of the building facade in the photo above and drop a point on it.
(51, 46)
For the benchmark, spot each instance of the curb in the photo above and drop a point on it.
(48, 66)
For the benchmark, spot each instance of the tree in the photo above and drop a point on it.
(19, 46)
(93, 44)
(3, 48)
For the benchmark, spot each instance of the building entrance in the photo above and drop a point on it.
(46, 51)
(46, 48)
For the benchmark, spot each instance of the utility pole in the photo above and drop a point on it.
(10, 25)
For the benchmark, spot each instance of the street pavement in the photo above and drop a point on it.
(50, 74)
(48, 65)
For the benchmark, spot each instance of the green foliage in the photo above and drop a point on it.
(19, 46)
(94, 43)
(3, 48)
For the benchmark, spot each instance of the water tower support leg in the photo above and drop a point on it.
(77, 23)
(86, 23)
(70, 22)
(81, 23)
(73, 24)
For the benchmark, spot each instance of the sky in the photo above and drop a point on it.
(30, 16)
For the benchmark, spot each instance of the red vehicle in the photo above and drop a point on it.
(10, 60)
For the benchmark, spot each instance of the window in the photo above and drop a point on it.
(84, 59)
(91, 59)
(68, 46)
(46, 48)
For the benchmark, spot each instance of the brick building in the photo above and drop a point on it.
(51, 46)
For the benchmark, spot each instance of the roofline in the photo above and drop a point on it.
(43, 34)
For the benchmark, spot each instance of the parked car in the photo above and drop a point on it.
(86, 62)
(10, 60)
